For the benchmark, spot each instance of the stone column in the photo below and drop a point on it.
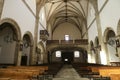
(20, 50)
(30, 58)
(45, 57)
(33, 57)
(98, 56)
(99, 28)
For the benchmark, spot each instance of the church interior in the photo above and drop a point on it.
(59, 40)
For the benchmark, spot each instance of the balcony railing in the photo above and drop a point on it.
(77, 42)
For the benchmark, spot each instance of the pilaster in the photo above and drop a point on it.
(20, 49)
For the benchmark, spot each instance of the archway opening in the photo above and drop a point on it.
(111, 46)
(67, 57)
(8, 44)
(25, 58)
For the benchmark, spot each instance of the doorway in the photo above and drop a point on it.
(67, 57)
(24, 60)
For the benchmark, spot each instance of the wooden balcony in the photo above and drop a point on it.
(69, 42)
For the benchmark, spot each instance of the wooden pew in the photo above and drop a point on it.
(107, 71)
(104, 72)
(115, 76)
(30, 67)
(41, 69)
(90, 71)
(21, 72)
(114, 73)
(4, 78)
(16, 75)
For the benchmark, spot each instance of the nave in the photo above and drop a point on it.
(60, 71)
(68, 73)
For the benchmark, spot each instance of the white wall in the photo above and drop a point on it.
(92, 31)
(66, 29)
(91, 14)
(100, 4)
(42, 17)
(110, 15)
(7, 53)
(42, 22)
(32, 4)
(17, 10)
(8, 48)
(112, 54)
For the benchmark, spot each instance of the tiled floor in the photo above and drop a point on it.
(68, 73)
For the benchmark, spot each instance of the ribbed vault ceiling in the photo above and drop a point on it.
(71, 11)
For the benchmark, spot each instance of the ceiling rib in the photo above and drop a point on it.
(71, 11)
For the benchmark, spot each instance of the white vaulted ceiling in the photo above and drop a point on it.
(71, 11)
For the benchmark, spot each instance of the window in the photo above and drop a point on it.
(67, 37)
(58, 53)
(76, 54)
(66, 59)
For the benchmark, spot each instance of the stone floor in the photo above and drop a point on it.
(68, 73)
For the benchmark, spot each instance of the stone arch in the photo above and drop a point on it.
(106, 33)
(31, 37)
(41, 52)
(15, 26)
(70, 51)
(14, 36)
(118, 28)
(1, 7)
(41, 46)
(27, 48)
(111, 50)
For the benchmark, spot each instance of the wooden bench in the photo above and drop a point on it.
(115, 76)
(107, 71)
(114, 73)
(104, 72)
(21, 72)
(4, 78)
(41, 69)
(16, 75)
